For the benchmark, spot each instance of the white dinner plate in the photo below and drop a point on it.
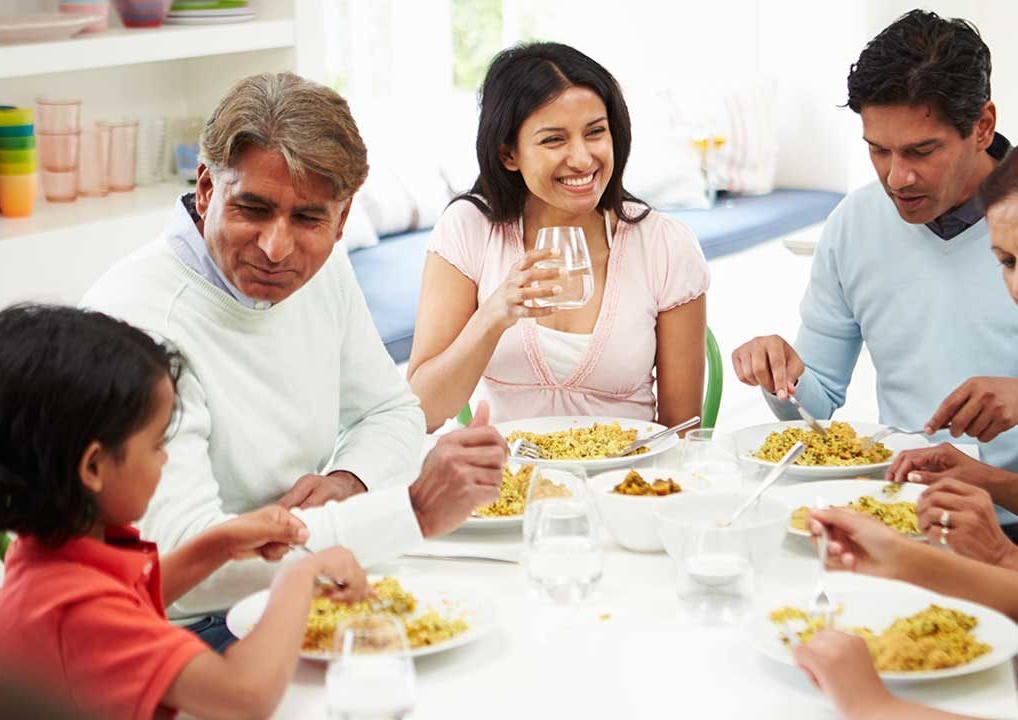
(481, 524)
(209, 19)
(42, 27)
(748, 441)
(842, 492)
(876, 603)
(476, 609)
(544, 425)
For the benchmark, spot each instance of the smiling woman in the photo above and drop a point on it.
(552, 145)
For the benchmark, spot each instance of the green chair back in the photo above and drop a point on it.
(711, 395)
(5, 541)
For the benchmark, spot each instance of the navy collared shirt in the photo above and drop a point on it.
(955, 222)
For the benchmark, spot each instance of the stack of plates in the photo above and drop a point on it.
(208, 12)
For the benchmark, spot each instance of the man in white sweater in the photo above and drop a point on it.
(289, 395)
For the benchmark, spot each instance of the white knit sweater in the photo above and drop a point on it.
(268, 396)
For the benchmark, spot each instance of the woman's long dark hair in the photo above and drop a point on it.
(519, 81)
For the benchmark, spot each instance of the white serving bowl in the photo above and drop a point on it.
(630, 518)
(764, 523)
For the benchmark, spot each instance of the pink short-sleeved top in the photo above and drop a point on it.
(653, 266)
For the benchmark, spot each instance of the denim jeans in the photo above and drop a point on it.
(214, 632)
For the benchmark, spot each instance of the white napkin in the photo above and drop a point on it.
(468, 550)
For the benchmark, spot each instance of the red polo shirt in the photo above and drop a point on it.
(86, 622)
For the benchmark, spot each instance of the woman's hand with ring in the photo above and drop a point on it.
(962, 515)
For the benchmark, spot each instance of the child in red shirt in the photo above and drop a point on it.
(85, 405)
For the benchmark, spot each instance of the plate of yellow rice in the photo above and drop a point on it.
(587, 441)
(912, 633)
(893, 504)
(841, 454)
(436, 617)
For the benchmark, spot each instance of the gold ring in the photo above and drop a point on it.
(943, 535)
(945, 518)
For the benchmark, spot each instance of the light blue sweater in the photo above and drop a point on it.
(933, 313)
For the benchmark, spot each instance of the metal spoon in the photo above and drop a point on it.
(794, 452)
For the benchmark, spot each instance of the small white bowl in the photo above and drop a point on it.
(764, 523)
(630, 518)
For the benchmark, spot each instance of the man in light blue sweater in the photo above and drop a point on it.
(904, 263)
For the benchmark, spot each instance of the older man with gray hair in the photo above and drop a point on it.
(289, 395)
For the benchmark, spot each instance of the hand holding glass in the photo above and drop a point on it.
(574, 258)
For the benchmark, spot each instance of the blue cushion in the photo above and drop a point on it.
(739, 222)
(390, 272)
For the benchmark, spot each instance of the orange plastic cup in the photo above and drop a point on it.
(17, 194)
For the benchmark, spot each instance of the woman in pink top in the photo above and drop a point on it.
(552, 144)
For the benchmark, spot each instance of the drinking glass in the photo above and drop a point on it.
(578, 282)
(57, 116)
(563, 556)
(95, 159)
(716, 579)
(373, 677)
(123, 155)
(711, 455)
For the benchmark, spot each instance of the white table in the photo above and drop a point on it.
(630, 653)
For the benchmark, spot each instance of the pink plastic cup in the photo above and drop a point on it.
(57, 116)
(58, 152)
(123, 155)
(60, 186)
(93, 171)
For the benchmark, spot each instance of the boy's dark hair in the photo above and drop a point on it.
(1001, 183)
(520, 80)
(924, 58)
(68, 377)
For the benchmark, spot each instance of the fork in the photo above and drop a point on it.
(868, 442)
(821, 604)
(525, 449)
(323, 580)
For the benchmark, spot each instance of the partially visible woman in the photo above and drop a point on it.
(552, 144)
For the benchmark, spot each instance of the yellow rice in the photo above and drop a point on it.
(512, 493)
(900, 516)
(841, 446)
(932, 639)
(582, 443)
(427, 628)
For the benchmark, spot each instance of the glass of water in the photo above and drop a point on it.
(573, 258)
(711, 456)
(716, 579)
(373, 677)
(563, 556)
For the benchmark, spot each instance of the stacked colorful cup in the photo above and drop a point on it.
(59, 132)
(18, 162)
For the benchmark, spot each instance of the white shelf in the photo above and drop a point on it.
(77, 216)
(129, 46)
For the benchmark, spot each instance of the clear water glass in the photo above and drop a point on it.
(563, 556)
(373, 678)
(711, 456)
(716, 578)
(574, 259)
